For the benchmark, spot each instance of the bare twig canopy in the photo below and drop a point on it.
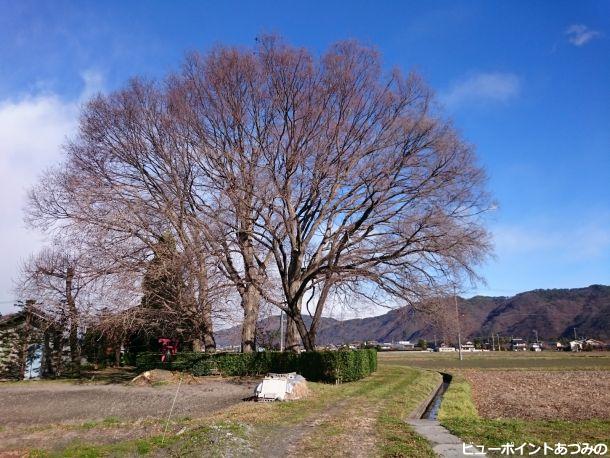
(284, 176)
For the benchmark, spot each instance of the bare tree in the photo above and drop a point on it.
(296, 178)
(360, 181)
(125, 182)
(223, 114)
(62, 283)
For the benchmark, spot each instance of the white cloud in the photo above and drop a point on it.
(580, 34)
(32, 130)
(482, 88)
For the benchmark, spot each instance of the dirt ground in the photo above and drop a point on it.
(43, 403)
(36, 413)
(548, 395)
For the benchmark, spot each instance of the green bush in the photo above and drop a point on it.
(325, 366)
(148, 360)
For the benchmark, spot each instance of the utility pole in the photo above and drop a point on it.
(575, 338)
(536, 332)
(457, 312)
(493, 348)
(281, 330)
(435, 347)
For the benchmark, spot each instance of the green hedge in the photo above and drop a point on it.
(325, 366)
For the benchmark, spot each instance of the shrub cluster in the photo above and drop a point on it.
(324, 366)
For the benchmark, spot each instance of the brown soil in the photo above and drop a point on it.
(159, 376)
(553, 395)
(33, 414)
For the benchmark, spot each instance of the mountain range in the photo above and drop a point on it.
(552, 313)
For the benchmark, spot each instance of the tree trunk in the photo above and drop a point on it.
(250, 302)
(296, 325)
(293, 336)
(58, 352)
(315, 322)
(73, 316)
(23, 354)
(197, 345)
(297, 330)
(293, 339)
(209, 342)
(250, 296)
(207, 327)
(46, 365)
(117, 355)
(308, 343)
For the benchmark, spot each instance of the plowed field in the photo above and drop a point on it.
(549, 395)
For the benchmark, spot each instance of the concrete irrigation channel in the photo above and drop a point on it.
(424, 422)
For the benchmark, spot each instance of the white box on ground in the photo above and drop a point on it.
(278, 386)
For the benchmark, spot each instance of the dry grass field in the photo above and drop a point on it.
(500, 360)
(541, 395)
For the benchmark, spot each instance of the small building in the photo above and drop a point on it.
(535, 347)
(370, 344)
(517, 344)
(404, 345)
(576, 345)
(31, 345)
(468, 346)
(445, 348)
(594, 344)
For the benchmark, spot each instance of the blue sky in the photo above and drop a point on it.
(527, 82)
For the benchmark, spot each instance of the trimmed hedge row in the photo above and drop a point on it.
(324, 366)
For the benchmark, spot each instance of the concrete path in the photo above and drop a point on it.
(445, 444)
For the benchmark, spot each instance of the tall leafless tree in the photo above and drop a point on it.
(126, 180)
(222, 114)
(294, 177)
(347, 175)
(63, 285)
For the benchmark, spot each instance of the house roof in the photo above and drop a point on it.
(14, 318)
(6, 319)
(594, 341)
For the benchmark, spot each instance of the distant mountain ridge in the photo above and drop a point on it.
(553, 313)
